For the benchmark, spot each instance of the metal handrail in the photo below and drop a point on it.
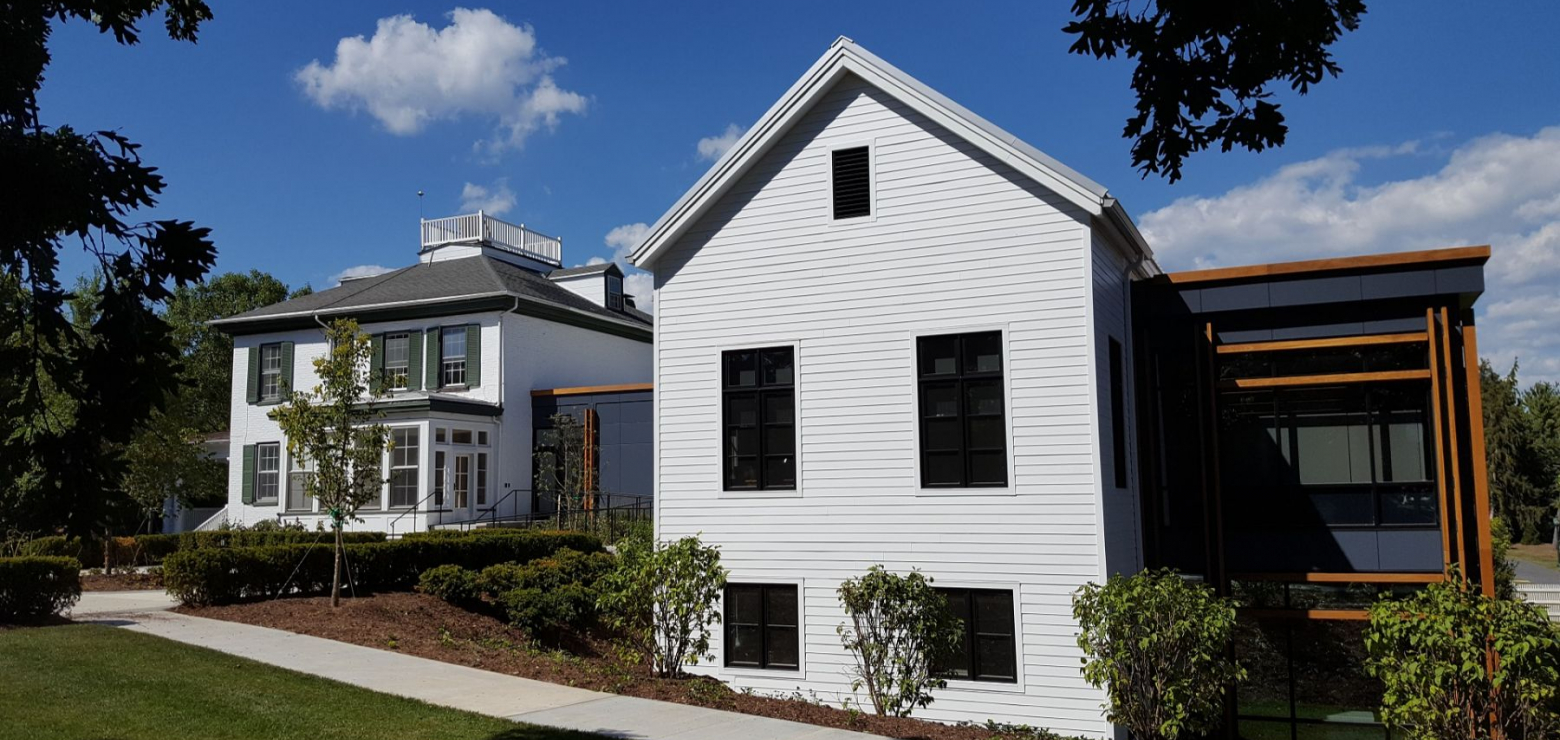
(417, 507)
(484, 229)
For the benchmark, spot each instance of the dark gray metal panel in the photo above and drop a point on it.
(1395, 325)
(1192, 298)
(1235, 297)
(1314, 331)
(1398, 284)
(1343, 289)
(1468, 279)
(1410, 550)
(1243, 335)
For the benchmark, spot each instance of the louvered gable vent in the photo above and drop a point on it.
(852, 182)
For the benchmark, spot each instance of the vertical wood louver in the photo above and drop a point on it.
(852, 170)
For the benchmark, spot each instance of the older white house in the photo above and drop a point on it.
(889, 332)
(484, 325)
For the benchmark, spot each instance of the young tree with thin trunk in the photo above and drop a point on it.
(332, 426)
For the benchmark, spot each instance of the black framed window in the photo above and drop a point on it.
(758, 396)
(614, 293)
(761, 626)
(1118, 416)
(963, 410)
(987, 648)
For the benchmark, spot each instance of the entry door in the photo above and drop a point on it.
(460, 484)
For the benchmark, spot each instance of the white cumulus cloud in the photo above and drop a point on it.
(622, 240)
(359, 271)
(712, 147)
(1498, 189)
(494, 200)
(409, 74)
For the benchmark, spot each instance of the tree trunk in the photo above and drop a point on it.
(335, 574)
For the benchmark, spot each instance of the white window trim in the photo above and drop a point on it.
(872, 182)
(1019, 660)
(292, 460)
(389, 469)
(720, 418)
(932, 330)
(410, 361)
(800, 673)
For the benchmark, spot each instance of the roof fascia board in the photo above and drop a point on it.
(841, 59)
(740, 158)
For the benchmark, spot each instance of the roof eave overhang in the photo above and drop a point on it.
(844, 57)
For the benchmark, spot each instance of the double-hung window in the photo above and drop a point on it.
(614, 293)
(761, 626)
(403, 469)
(398, 361)
(987, 647)
(452, 356)
(270, 372)
(300, 471)
(963, 414)
(758, 393)
(268, 472)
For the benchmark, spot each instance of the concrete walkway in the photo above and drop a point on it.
(445, 684)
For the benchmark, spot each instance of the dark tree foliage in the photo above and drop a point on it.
(59, 189)
(1204, 67)
(1522, 450)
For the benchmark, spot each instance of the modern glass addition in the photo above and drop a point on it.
(268, 471)
(452, 356)
(398, 361)
(962, 410)
(1337, 456)
(987, 648)
(762, 626)
(1306, 679)
(759, 418)
(270, 372)
(403, 468)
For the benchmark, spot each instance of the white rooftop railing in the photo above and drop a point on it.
(480, 228)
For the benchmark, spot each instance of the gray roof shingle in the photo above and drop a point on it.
(467, 277)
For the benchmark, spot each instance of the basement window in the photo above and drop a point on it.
(851, 177)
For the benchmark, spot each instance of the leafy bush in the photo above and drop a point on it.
(87, 552)
(35, 586)
(1505, 567)
(541, 597)
(663, 598)
(1431, 651)
(900, 627)
(454, 584)
(224, 575)
(1159, 646)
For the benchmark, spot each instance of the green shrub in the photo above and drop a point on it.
(88, 553)
(223, 575)
(900, 626)
(1429, 650)
(1159, 646)
(664, 599)
(37, 586)
(454, 584)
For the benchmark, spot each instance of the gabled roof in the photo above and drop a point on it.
(440, 288)
(846, 57)
(569, 272)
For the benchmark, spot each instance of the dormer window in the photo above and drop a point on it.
(851, 176)
(614, 292)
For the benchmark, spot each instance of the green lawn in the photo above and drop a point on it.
(93, 682)
(1543, 555)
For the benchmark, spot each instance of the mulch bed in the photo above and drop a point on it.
(421, 625)
(122, 582)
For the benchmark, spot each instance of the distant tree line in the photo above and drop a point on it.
(1522, 444)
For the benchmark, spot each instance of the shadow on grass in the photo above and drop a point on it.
(551, 733)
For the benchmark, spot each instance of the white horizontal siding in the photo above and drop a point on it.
(958, 241)
(1120, 513)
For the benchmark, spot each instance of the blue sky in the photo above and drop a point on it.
(1441, 131)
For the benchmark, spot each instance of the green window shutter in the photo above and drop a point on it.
(433, 358)
(473, 355)
(249, 474)
(413, 354)
(287, 368)
(253, 394)
(376, 360)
